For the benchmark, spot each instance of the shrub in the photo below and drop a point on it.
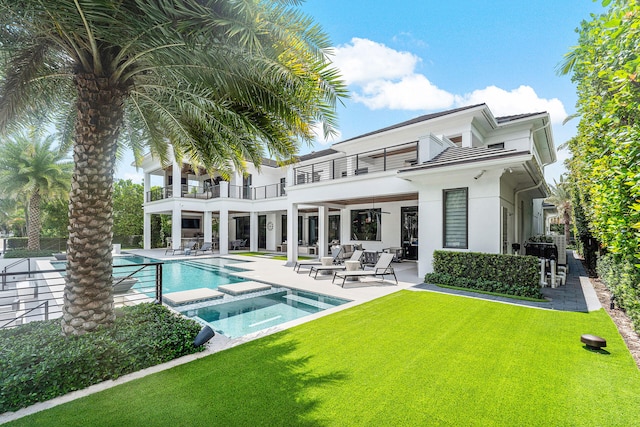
(507, 274)
(623, 279)
(38, 363)
(23, 253)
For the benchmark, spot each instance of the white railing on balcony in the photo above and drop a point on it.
(215, 191)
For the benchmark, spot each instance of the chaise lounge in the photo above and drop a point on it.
(382, 268)
(335, 253)
(354, 257)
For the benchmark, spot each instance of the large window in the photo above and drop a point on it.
(455, 218)
(366, 224)
(334, 227)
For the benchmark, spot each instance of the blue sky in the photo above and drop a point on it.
(406, 58)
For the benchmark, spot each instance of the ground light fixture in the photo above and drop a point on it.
(205, 334)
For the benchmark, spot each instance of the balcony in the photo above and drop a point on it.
(385, 159)
(219, 191)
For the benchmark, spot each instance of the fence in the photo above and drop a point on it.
(28, 295)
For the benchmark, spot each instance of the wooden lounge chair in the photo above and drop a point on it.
(335, 253)
(382, 268)
(355, 256)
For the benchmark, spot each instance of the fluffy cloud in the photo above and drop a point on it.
(521, 100)
(381, 77)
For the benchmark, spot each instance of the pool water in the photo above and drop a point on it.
(178, 275)
(247, 315)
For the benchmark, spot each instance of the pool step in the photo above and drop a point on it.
(243, 288)
(190, 296)
(309, 301)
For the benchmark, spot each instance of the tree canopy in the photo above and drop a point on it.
(221, 81)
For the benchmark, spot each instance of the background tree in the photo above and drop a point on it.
(223, 81)
(128, 216)
(561, 198)
(55, 218)
(29, 165)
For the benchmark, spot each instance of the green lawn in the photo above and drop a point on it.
(411, 358)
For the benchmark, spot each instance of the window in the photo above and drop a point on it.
(455, 218)
(498, 145)
(334, 227)
(366, 224)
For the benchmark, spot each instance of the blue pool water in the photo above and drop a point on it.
(251, 314)
(178, 275)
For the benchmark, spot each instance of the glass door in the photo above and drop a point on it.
(409, 231)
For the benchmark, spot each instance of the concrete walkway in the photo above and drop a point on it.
(576, 295)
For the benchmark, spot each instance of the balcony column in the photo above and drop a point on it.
(224, 231)
(176, 185)
(253, 231)
(224, 189)
(147, 186)
(323, 230)
(207, 229)
(292, 235)
(176, 225)
(146, 231)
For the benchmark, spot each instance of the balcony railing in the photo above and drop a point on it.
(215, 191)
(385, 159)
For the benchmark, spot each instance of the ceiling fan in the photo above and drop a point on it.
(370, 211)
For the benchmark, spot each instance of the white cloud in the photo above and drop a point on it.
(413, 92)
(524, 99)
(364, 61)
(380, 77)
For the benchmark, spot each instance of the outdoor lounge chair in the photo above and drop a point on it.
(190, 246)
(238, 243)
(206, 247)
(335, 253)
(122, 285)
(382, 268)
(355, 256)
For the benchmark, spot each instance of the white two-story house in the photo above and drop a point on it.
(460, 179)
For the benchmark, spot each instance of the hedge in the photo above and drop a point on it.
(37, 363)
(623, 279)
(507, 274)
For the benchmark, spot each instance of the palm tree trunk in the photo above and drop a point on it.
(88, 294)
(33, 224)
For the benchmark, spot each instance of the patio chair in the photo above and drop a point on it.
(382, 268)
(190, 246)
(206, 247)
(335, 253)
(238, 243)
(355, 256)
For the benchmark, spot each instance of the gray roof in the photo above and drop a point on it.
(458, 155)
(413, 121)
(316, 154)
(505, 119)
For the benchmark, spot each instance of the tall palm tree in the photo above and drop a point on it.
(561, 198)
(222, 81)
(31, 166)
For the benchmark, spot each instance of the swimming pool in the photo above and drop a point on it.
(244, 315)
(177, 275)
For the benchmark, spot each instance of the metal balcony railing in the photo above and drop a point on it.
(385, 159)
(29, 296)
(214, 192)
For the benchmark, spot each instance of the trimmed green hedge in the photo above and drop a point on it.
(506, 274)
(623, 279)
(37, 363)
(23, 253)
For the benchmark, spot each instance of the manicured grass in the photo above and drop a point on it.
(411, 358)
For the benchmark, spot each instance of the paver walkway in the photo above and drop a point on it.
(576, 295)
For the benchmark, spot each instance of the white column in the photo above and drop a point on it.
(147, 185)
(146, 231)
(323, 230)
(177, 179)
(176, 226)
(224, 189)
(292, 234)
(253, 231)
(207, 229)
(224, 231)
